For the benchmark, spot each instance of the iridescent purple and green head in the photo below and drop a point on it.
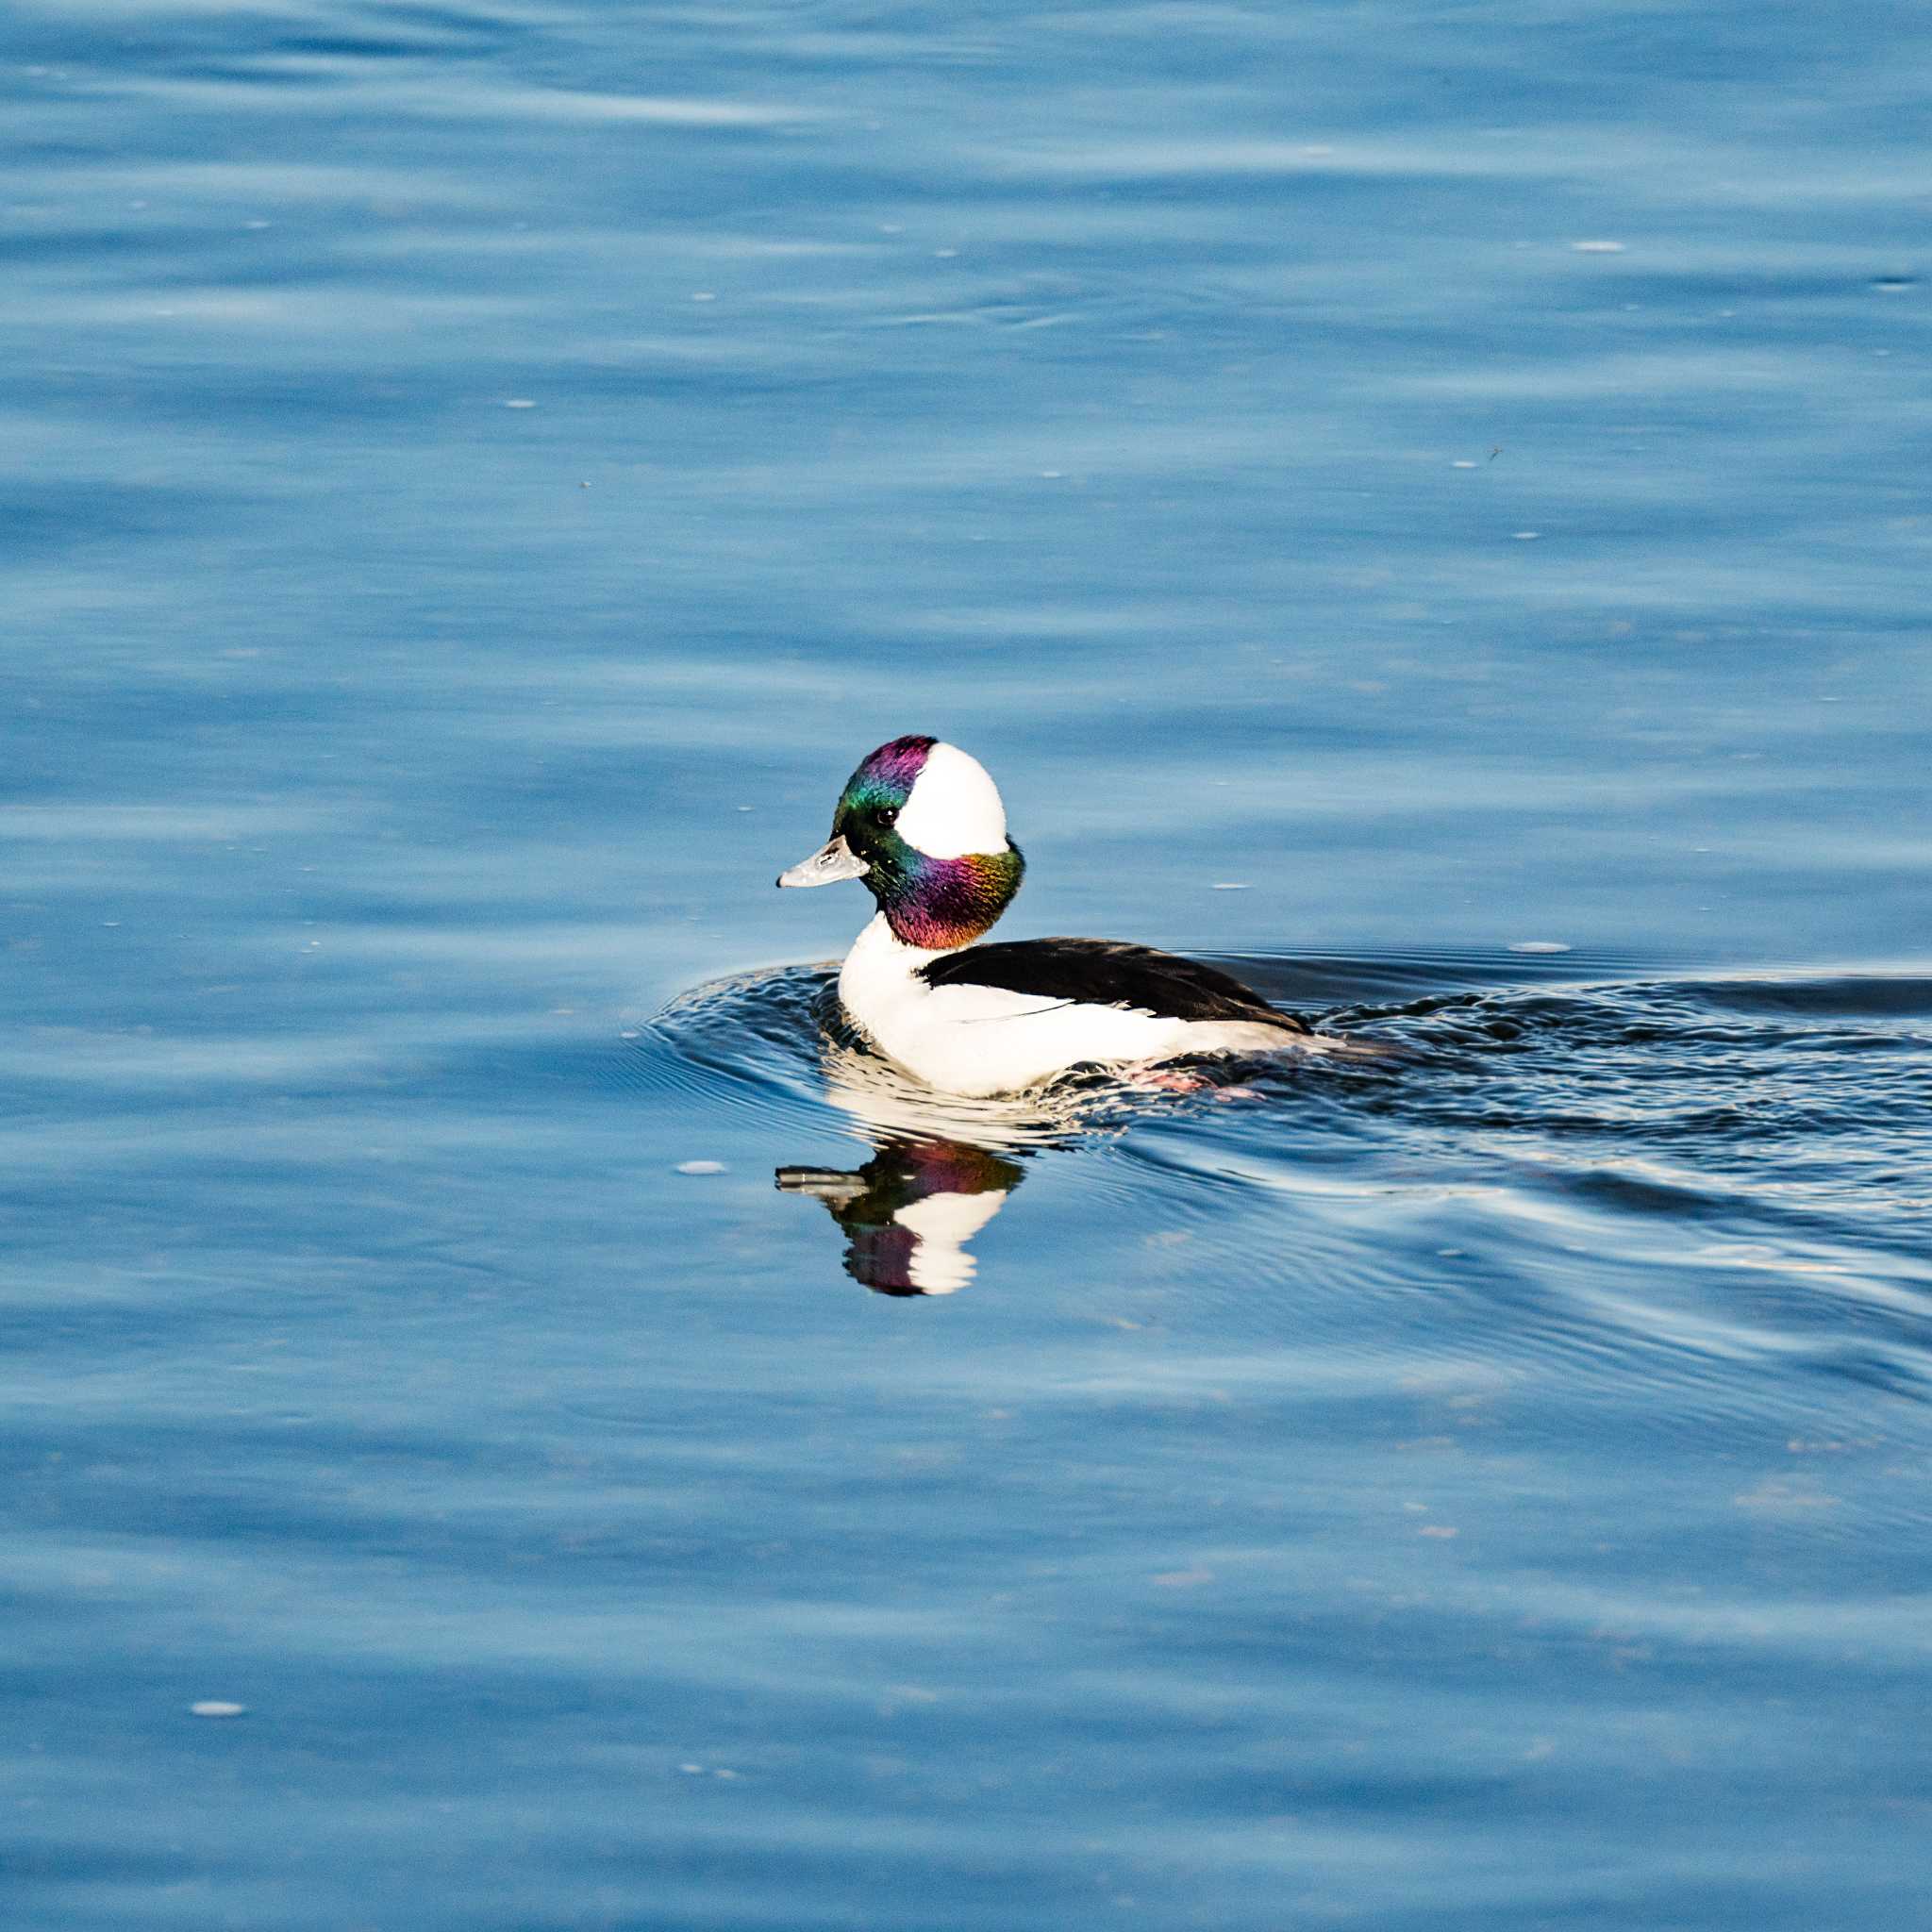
(921, 825)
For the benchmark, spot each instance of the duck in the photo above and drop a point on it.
(921, 823)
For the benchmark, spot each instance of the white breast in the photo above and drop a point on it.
(985, 1040)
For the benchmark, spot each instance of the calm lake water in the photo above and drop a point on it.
(1426, 505)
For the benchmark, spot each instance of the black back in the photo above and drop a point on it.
(1108, 972)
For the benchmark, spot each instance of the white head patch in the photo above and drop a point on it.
(954, 807)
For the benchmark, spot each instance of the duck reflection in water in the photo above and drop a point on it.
(944, 1164)
(910, 1211)
(942, 1168)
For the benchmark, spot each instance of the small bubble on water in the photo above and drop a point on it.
(518, 402)
(700, 1167)
(215, 1707)
(1597, 247)
(1526, 536)
(1463, 463)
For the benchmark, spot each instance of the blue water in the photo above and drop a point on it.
(1382, 488)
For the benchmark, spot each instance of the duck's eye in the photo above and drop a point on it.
(889, 816)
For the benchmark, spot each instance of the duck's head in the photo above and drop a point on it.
(921, 823)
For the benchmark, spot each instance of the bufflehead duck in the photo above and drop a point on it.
(921, 823)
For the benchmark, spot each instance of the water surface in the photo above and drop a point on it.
(1381, 488)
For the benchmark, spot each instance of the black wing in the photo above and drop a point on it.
(1106, 973)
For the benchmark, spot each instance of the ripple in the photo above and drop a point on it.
(1666, 1175)
(777, 1041)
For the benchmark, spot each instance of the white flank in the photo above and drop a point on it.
(985, 1040)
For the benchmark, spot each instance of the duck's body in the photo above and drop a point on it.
(923, 824)
(983, 1019)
